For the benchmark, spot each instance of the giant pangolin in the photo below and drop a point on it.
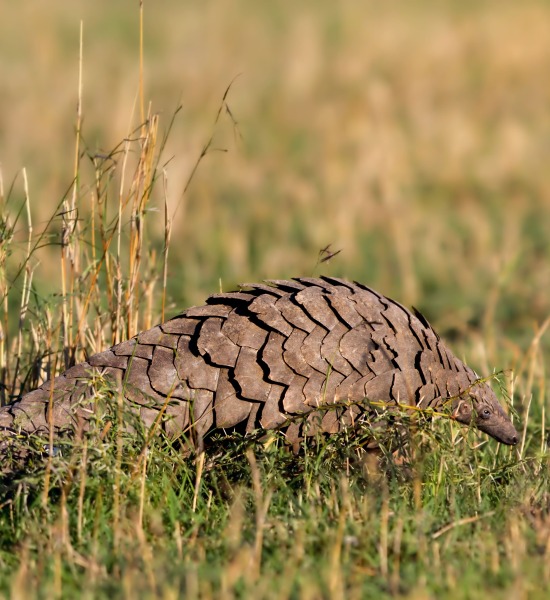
(273, 355)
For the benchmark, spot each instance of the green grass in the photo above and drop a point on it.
(455, 520)
(413, 137)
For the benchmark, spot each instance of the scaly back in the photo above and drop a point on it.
(257, 358)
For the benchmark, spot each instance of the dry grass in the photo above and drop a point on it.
(413, 137)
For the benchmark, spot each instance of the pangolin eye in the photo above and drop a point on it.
(485, 413)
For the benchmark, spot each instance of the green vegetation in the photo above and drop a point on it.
(456, 521)
(411, 136)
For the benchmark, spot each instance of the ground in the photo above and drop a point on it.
(412, 138)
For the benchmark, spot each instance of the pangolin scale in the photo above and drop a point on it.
(261, 357)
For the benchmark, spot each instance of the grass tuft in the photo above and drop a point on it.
(431, 169)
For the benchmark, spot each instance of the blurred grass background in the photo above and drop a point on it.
(412, 136)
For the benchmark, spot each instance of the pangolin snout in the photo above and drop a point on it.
(503, 431)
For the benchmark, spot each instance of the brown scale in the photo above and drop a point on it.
(242, 332)
(344, 307)
(164, 376)
(356, 345)
(221, 351)
(294, 314)
(157, 337)
(314, 302)
(348, 388)
(249, 376)
(330, 350)
(269, 356)
(264, 309)
(132, 348)
(229, 408)
(193, 369)
(179, 326)
(311, 350)
(271, 416)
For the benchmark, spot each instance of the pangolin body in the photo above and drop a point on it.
(261, 357)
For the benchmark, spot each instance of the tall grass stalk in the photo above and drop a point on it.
(439, 202)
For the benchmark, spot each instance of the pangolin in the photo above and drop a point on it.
(304, 355)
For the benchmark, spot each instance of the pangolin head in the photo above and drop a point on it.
(480, 407)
